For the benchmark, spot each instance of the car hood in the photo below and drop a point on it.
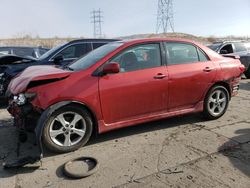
(36, 74)
(14, 59)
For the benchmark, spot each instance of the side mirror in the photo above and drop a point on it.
(58, 59)
(112, 67)
(223, 52)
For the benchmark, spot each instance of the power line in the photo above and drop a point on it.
(165, 16)
(97, 19)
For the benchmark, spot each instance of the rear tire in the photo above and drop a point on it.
(67, 129)
(216, 102)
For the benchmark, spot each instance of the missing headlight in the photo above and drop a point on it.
(22, 98)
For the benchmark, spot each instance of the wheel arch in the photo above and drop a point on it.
(221, 83)
(91, 112)
(47, 112)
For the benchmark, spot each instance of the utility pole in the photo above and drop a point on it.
(96, 19)
(165, 16)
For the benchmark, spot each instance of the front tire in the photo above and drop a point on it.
(216, 102)
(67, 129)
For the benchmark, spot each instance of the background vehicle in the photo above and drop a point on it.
(23, 51)
(231, 48)
(61, 55)
(114, 86)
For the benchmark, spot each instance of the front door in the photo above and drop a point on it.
(139, 89)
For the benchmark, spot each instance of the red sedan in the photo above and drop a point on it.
(122, 84)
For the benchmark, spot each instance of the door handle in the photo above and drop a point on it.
(159, 76)
(207, 69)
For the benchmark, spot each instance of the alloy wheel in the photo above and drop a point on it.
(217, 102)
(67, 129)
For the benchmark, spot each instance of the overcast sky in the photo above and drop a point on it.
(63, 18)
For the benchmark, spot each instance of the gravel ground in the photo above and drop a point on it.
(178, 152)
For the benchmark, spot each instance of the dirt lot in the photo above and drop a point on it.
(179, 152)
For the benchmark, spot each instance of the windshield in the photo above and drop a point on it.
(94, 56)
(214, 47)
(51, 51)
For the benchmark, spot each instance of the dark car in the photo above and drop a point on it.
(235, 48)
(23, 51)
(116, 86)
(61, 55)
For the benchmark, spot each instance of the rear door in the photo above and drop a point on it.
(191, 73)
(139, 89)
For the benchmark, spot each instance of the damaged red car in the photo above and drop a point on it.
(122, 84)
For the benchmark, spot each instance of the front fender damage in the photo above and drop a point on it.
(42, 122)
(38, 132)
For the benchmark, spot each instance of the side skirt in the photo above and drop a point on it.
(103, 127)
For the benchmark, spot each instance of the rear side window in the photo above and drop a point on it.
(75, 51)
(247, 46)
(181, 53)
(240, 47)
(97, 45)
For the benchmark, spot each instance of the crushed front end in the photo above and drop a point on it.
(25, 115)
(4, 81)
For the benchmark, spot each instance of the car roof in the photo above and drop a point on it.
(31, 47)
(131, 41)
(233, 41)
(93, 40)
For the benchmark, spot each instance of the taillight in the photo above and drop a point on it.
(242, 68)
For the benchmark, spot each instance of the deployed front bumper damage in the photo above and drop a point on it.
(22, 115)
(2, 84)
(25, 118)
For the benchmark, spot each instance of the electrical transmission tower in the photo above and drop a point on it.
(96, 19)
(165, 16)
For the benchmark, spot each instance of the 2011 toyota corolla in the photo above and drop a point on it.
(121, 84)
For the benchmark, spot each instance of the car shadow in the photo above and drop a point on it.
(12, 149)
(239, 155)
(146, 127)
(245, 86)
(3, 104)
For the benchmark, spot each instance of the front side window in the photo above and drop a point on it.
(50, 53)
(75, 51)
(139, 57)
(180, 53)
(227, 49)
